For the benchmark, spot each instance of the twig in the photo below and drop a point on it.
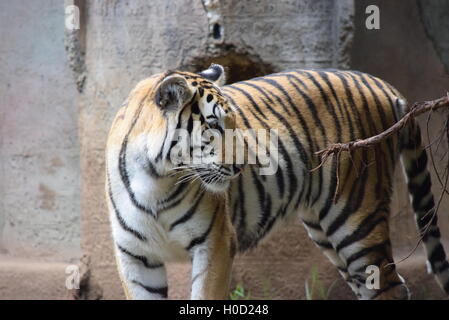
(416, 110)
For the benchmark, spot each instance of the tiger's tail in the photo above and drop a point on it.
(414, 160)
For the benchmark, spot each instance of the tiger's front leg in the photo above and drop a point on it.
(212, 261)
(142, 278)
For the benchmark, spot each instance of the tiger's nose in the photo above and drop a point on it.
(238, 167)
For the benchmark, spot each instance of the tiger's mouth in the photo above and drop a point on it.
(214, 177)
(218, 178)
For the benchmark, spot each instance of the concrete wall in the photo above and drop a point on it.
(39, 177)
(39, 152)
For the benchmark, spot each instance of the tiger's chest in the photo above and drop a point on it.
(165, 216)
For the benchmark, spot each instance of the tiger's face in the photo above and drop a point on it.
(198, 115)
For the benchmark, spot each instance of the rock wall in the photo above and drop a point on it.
(39, 150)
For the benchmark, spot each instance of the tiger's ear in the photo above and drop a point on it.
(173, 93)
(215, 73)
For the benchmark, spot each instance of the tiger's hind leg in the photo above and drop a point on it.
(316, 234)
(362, 242)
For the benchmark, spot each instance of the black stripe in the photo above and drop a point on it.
(419, 191)
(342, 269)
(120, 219)
(352, 204)
(195, 107)
(437, 254)
(377, 262)
(248, 96)
(444, 267)
(417, 166)
(151, 170)
(197, 276)
(270, 224)
(266, 212)
(280, 181)
(142, 259)
(161, 150)
(363, 230)
(189, 124)
(189, 212)
(264, 200)
(332, 188)
(163, 291)
(324, 244)
(242, 217)
(199, 240)
(433, 232)
(427, 218)
(363, 252)
(125, 178)
(179, 189)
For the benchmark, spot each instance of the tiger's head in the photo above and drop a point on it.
(196, 114)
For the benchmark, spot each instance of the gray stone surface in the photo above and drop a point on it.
(285, 34)
(434, 14)
(39, 150)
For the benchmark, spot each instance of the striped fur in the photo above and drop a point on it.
(157, 216)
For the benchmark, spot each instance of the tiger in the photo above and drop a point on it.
(163, 208)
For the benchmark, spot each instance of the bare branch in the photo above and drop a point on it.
(416, 110)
